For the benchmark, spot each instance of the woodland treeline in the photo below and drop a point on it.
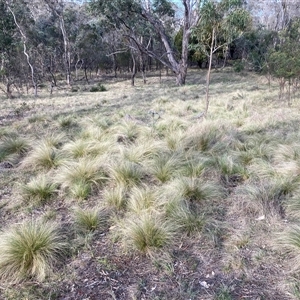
(45, 42)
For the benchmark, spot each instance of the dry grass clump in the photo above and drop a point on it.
(186, 219)
(90, 219)
(115, 196)
(39, 190)
(44, 155)
(142, 199)
(146, 233)
(126, 173)
(195, 189)
(30, 251)
(203, 136)
(164, 166)
(86, 171)
(13, 145)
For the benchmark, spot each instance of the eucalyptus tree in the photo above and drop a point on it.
(57, 7)
(7, 47)
(152, 20)
(220, 24)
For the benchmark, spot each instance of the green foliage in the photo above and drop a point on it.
(227, 19)
(30, 250)
(98, 88)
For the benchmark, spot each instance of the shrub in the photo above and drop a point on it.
(98, 88)
(30, 250)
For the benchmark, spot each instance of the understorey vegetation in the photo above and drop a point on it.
(132, 193)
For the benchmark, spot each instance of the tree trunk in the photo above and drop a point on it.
(208, 73)
(133, 69)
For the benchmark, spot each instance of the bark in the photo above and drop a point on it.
(53, 5)
(208, 73)
(24, 49)
(133, 68)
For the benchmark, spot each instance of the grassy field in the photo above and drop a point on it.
(129, 193)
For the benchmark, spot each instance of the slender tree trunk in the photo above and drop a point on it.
(24, 49)
(208, 73)
(133, 68)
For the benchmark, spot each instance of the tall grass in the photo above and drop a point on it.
(13, 145)
(30, 251)
(146, 233)
(43, 155)
(38, 190)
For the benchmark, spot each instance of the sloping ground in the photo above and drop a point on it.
(224, 191)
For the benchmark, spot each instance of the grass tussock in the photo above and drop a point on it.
(164, 167)
(39, 190)
(30, 250)
(142, 199)
(43, 156)
(186, 219)
(147, 233)
(13, 145)
(115, 197)
(84, 171)
(126, 173)
(90, 219)
(195, 189)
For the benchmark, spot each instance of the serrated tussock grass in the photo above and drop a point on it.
(30, 251)
(128, 131)
(203, 136)
(54, 139)
(269, 195)
(144, 149)
(90, 219)
(126, 173)
(38, 190)
(78, 148)
(196, 189)
(186, 219)
(80, 189)
(85, 170)
(164, 167)
(146, 233)
(142, 199)
(116, 196)
(43, 156)
(13, 145)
